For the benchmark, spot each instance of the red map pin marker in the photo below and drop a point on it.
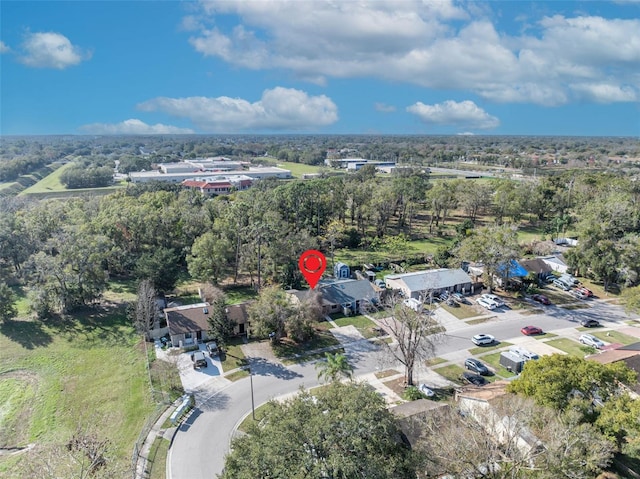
(312, 264)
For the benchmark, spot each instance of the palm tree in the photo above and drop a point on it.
(334, 367)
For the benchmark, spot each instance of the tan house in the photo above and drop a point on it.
(187, 324)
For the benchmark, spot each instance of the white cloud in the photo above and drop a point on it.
(460, 114)
(605, 92)
(4, 48)
(278, 109)
(383, 107)
(51, 50)
(437, 44)
(133, 127)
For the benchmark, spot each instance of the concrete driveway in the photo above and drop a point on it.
(193, 379)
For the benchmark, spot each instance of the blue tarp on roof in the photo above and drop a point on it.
(514, 270)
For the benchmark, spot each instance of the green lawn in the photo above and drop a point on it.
(464, 311)
(452, 372)
(615, 337)
(289, 349)
(362, 323)
(234, 356)
(157, 460)
(571, 347)
(299, 169)
(87, 369)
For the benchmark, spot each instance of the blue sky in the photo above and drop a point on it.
(347, 67)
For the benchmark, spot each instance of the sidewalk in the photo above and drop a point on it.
(142, 471)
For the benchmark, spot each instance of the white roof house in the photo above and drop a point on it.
(421, 283)
(556, 263)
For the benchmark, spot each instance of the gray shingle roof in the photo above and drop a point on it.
(346, 292)
(433, 279)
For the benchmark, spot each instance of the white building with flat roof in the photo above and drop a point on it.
(255, 173)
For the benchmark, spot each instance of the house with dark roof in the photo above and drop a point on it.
(239, 314)
(188, 324)
(343, 296)
(420, 284)
(538, 267)
(629, 355)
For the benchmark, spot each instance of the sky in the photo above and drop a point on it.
(320, 67)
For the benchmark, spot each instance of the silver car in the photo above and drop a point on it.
(590, 340)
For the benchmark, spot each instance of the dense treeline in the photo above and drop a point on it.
(87, 177)
(65, 251)
(20, 165)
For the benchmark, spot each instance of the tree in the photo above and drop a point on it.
(493, 246)
(342, 431)
(336, 366)
(416, 335)
(270, 312)
(160, 266)
(631, 298)
(555, 380)
(221, 328)
(619, 419)
(146, 312)
(8, 308)
(488, 442)
(211, 256)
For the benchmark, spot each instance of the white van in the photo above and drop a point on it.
(523, 353)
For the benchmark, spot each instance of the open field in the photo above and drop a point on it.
(298, 169)
(88, 369)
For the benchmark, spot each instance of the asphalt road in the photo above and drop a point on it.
(201, 443)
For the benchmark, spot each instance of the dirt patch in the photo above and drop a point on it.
(396, 385)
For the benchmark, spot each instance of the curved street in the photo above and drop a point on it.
(201, 442)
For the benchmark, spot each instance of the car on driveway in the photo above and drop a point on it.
(576, 293)
(590, 340)
(199, 360)
(483, 339)
(541, 298)
(459, 297)
(590, 323)
(474, 379)
(476, 366)
(486, 304)
(531, 330)
(586, 291)
(212, 349)
(492, 297)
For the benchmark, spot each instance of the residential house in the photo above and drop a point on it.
(479, 402)
(421, 284)
(556, 263)
(238, 313)
(629, 354)
(538, 267)
(188, 324)
(341, 296)
(510, 271)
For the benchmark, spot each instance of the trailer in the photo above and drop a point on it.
(512, 361)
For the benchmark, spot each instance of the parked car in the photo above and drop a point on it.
(212, 348)
(531, 330)
(576, 293)
(540, 298)
(199, 360)
(590, 323)
(476, 366)
(590, 340)
(424, 389)
(561, 284)
(474, 379)
(453, 303)
(459, 297)
(483, 339)
(486, 304)
(586, 291)
(492, 297)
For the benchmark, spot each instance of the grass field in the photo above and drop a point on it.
(88, 369)
(299, 169)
